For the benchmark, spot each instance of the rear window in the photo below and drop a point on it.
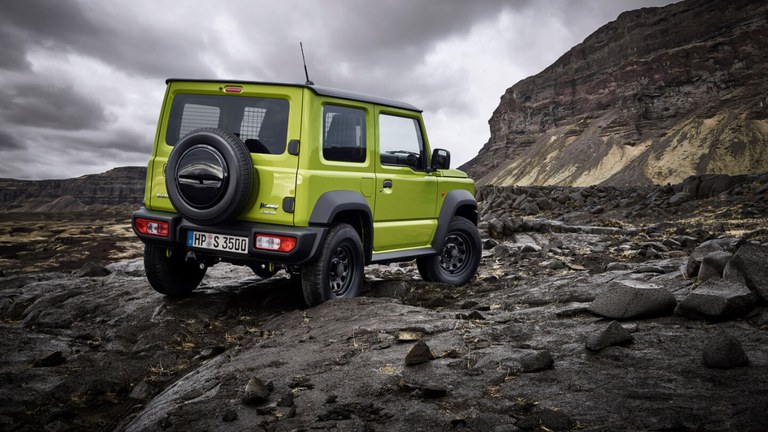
(262, 123)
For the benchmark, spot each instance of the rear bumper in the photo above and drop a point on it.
(308, 239)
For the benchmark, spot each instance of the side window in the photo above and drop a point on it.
(343, 134)
(400, 142)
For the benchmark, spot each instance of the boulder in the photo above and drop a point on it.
(613, 335)
(717, 300)
(713, 264)
(531, 209)
(495, 229)
(420, 353)
(707, 185)
(633, 299)
(257, 392)
(536, 361)
(749, 265)
(704, 249)
(679, 198)
(724, 352)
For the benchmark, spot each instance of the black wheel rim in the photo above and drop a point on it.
(456, 252)
(341, 270)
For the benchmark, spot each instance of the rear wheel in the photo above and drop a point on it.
(457, 262)
(338, 272)
(170, 273)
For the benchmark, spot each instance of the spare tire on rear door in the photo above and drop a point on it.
(210, 176)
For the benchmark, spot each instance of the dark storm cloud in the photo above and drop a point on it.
(9, 142)
(92, 30)
(13, 55)
(48, 106)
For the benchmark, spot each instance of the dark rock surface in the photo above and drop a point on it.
(509, 347)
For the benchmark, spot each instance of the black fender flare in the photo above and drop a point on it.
(454, 200)
(331, 203)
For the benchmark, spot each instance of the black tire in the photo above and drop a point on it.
(457, 262)
(338, 271)
(171, 274)
(209, 196)
(264, 270)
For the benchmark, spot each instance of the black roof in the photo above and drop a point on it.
(319, 90)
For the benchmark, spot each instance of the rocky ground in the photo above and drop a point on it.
(599, 309)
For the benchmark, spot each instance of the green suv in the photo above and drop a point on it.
(314, 180)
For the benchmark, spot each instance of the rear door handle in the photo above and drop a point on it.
(387, 184)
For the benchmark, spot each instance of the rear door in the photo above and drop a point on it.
(404, 214)
(265, 117)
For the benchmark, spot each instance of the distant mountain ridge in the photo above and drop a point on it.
(653, 97)
(118, 186)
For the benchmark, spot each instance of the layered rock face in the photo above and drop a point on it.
(654, 97)
(123, 185)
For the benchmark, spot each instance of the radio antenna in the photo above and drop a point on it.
(304, 60)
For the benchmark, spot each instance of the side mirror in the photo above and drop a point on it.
(441, 159)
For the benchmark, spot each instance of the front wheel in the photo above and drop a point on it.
(459, 258)
(170, 273)
(338, 271)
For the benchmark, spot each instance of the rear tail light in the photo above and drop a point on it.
(151, 227)
(275, 243)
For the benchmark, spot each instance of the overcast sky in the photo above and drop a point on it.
(81, 82)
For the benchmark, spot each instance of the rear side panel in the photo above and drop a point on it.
(248, 114)
(318, 171)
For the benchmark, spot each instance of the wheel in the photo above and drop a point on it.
(171, 274)
(338, 272)
(210, 176)
(264, 270)
(457, 262)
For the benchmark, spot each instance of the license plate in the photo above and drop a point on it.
(219, 242)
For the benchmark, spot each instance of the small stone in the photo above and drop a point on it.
(536, 361)
(50, 359)
(420, 353)
(489, 243)
(649, 269)
(553, 264)
(229, 416)
(679, 198)
(614, 335)
(140, 391)
(433, 392)
(331, 399)
(286, 400)
(672, 244)
(256, 392)
(724, 352)
(530, 248)
(91, 269)
(474, 315)
(616, 266)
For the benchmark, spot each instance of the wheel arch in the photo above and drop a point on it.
(457, 202)
(346, 207)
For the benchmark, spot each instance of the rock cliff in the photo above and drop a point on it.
(123, 185)
(655, 96)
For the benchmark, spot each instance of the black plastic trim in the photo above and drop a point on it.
(407, 255)
(331, 203)
(308, 239)
(289, 204)
(453, 200)
(293, 147)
